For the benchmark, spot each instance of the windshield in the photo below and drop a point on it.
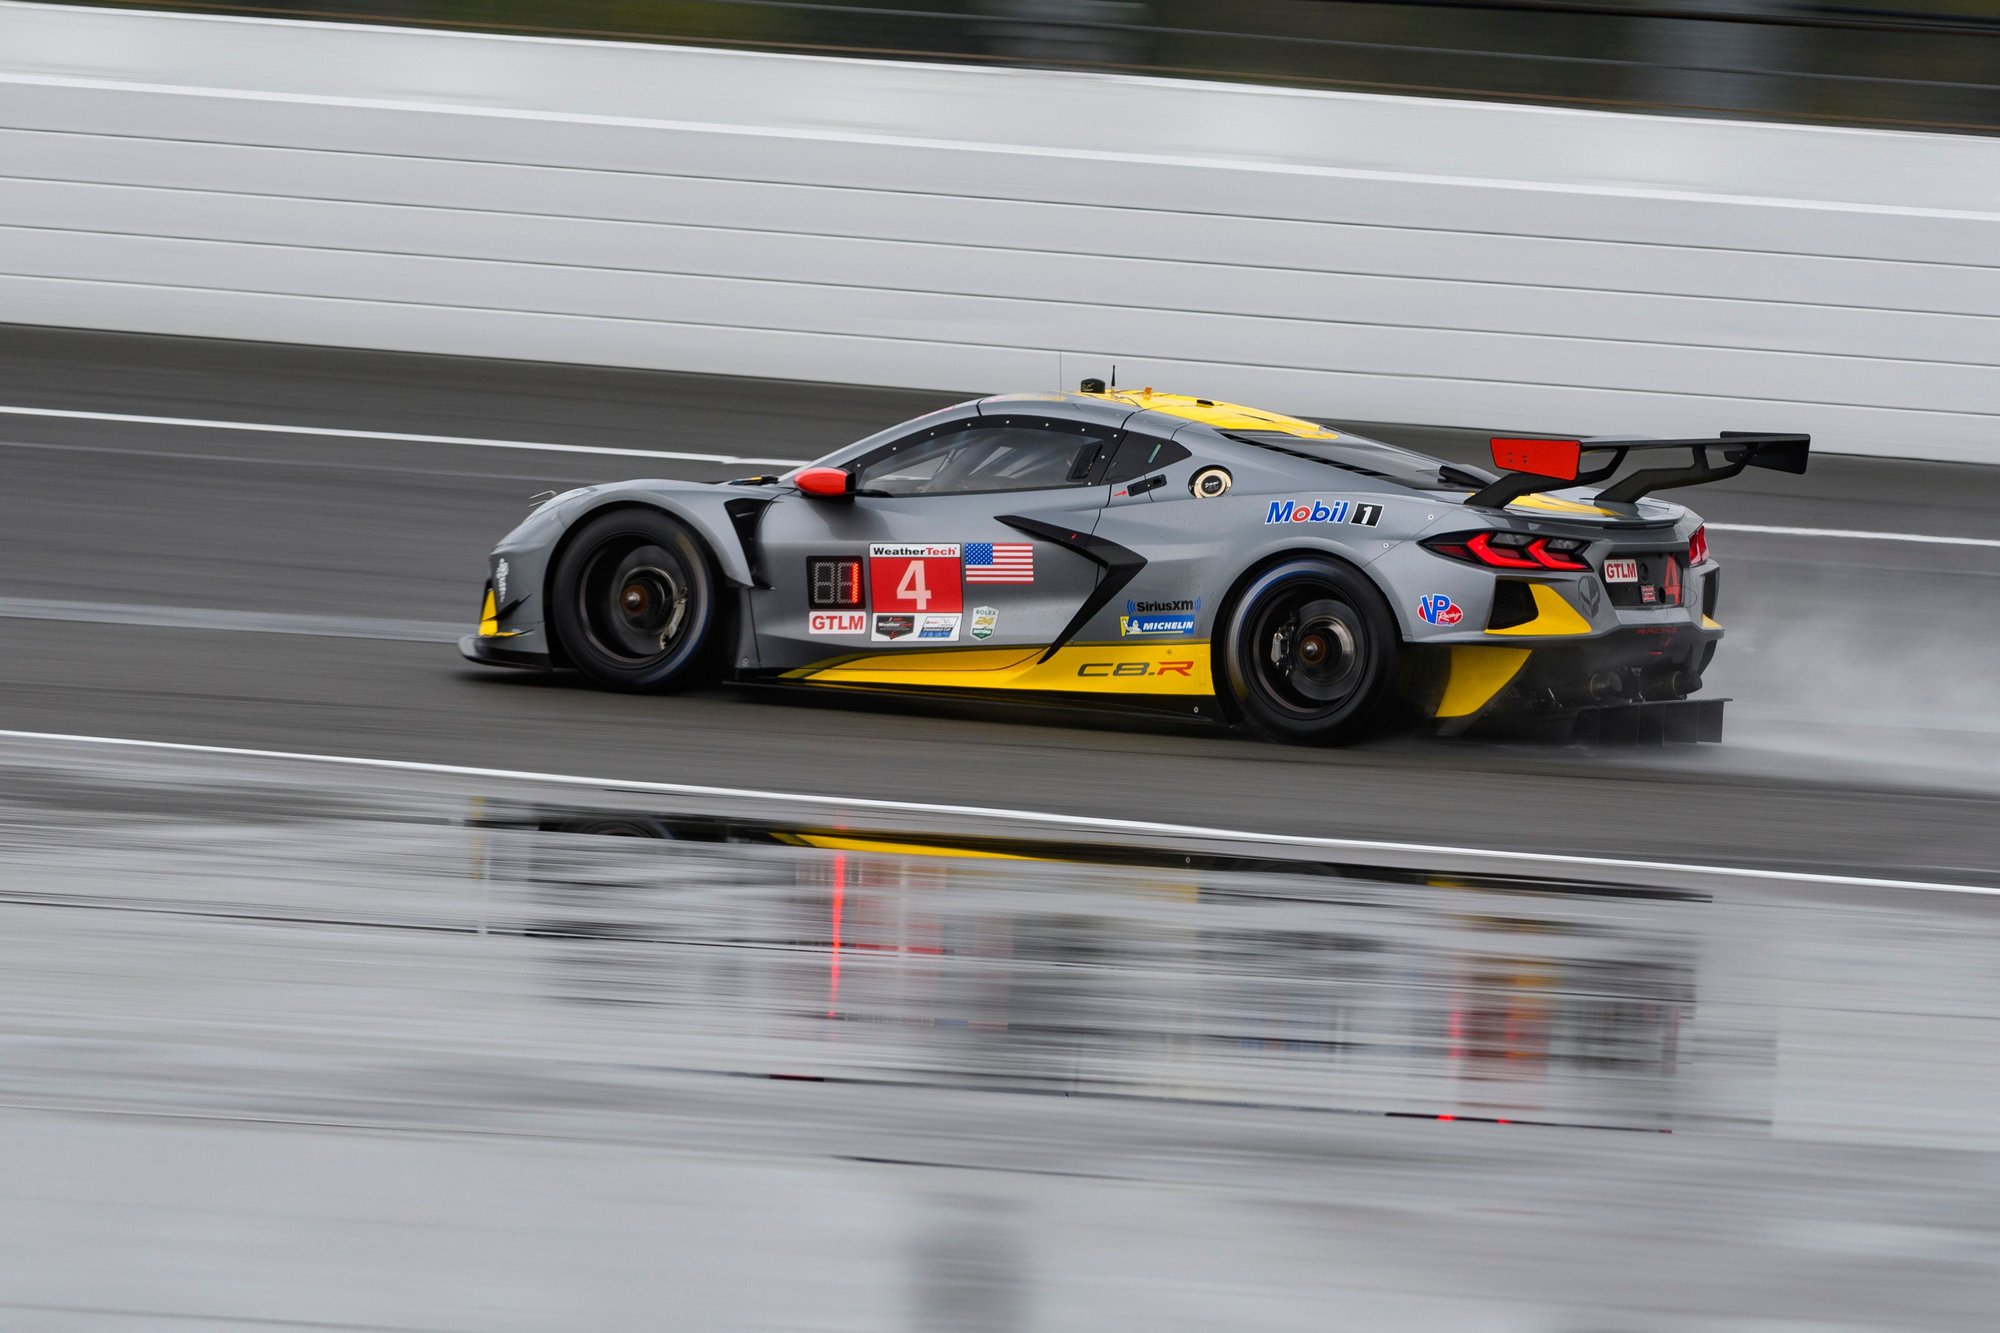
(1372, 458)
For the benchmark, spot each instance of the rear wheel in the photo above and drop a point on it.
(1309, 652)
(633, 598)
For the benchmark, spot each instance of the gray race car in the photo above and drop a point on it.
(1135, 547)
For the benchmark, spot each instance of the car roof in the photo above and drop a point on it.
(1128, 407)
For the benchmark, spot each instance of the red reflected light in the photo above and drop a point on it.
(839, 902)
(1447, 1117)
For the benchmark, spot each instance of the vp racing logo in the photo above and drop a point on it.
(1438, 609)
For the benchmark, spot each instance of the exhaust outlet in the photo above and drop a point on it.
(1607, 685)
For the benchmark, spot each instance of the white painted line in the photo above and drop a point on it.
(1855, 534)
(264, 428)
(1103, 824)
(252, 622)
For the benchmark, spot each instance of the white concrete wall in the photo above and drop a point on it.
(946, 227)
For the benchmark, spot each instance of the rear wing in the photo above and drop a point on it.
(1530, 465)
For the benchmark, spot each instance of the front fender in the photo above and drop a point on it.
(703, 506)
(519, 566)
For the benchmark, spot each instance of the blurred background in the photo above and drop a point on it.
(1907, 63)
(344, 985)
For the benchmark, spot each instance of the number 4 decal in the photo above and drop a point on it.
(912, 589)
(916, 578)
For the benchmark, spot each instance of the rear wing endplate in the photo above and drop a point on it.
(1529, 465)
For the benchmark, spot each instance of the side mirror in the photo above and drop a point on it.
(826, 483)
(1558, 459)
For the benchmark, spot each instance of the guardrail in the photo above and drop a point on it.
(1886, 62)
(957, 227)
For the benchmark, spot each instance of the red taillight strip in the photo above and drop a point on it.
(1539, 549)
(1537, 554)
(1483, 549)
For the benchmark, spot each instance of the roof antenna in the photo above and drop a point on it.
(1114, 377)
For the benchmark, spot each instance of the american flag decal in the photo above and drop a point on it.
(999, 562)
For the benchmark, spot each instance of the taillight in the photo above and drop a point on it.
(1503, 555)
(1698, 546)
(1558, 552)
(1512, 550)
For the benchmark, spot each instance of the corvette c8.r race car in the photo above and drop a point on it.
(1134, 547)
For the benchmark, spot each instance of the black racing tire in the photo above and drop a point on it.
(634, 600)
(1309, 653)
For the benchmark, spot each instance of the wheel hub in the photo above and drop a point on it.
(635, 600)
(1312, 655)
(651, 603)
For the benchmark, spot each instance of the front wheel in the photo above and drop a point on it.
(633, 599)
(1309, 652)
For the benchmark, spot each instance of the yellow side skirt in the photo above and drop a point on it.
(1102, 668)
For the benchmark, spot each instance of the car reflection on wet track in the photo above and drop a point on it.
(418, 1021)
(1108, 972)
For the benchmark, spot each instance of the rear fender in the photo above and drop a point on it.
(1245, 577)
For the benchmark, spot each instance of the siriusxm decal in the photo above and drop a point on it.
(1323, 511)
(1159, 620)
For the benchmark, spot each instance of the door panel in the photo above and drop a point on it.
(938, 572)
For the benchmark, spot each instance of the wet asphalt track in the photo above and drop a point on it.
(1862, 737)
(291, 1045)
(294, 1047)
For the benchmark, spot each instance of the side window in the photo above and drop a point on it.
(909, 467)
(1139, 454)
(990, 454)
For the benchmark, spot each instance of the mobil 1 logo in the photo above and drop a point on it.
(1360, 513)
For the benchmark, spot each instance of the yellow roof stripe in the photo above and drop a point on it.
(1221, 416)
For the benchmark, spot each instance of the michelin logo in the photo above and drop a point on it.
(1159, 620)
